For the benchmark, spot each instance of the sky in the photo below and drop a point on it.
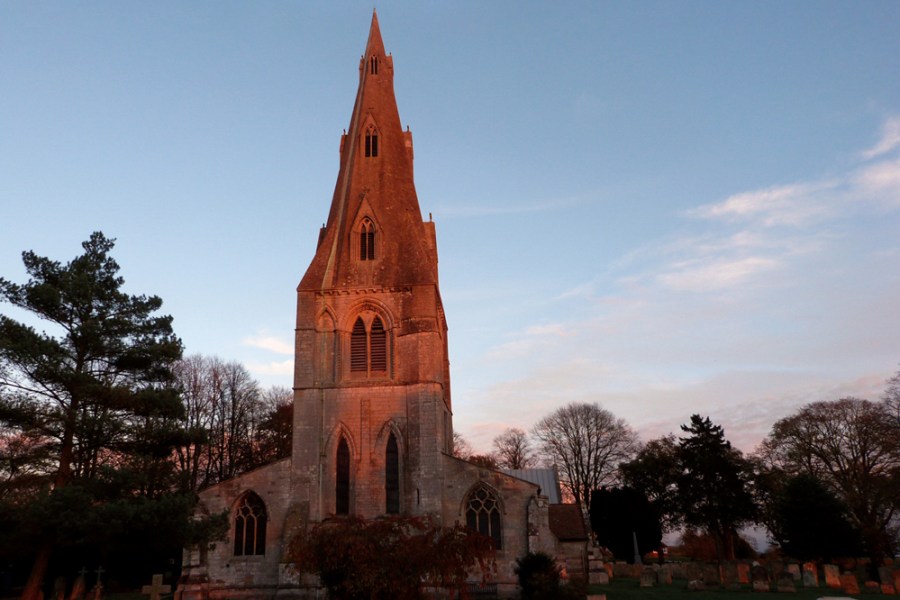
(666, 208)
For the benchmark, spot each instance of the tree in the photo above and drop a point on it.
(655, 472)
(513, 450)
(713, 484)
(483, 460)
(233, 427)
(587, 443)
(811, 523)
(390, 558)
(461, 447)
(621, 515)
(94, 392)
(851, 446)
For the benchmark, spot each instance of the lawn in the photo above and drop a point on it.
(629, 589)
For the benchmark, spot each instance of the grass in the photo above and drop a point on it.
(629, 589)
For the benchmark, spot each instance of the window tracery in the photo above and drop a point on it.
(250, 526)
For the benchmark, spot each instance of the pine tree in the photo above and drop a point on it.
(98, 393)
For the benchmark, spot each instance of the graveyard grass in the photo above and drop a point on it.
(629, 589)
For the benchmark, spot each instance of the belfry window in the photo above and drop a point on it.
(367, 240)
(342, 479)
(392, 476)
(483, 514)
(250, 526)
(373, 65)
(369, 348)
(371, 142)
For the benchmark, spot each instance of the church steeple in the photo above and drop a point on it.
(374, 235)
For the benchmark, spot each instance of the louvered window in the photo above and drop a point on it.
(367, 240)
(378, 347)
(358, 342)
(392, 476)
(342, 479)
(373, 65)
(250, 526)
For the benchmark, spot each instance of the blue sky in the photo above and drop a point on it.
(663, 207)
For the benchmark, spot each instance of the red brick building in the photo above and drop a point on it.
(373, 418)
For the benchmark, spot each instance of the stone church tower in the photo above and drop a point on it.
(373, 423)
(372, 413)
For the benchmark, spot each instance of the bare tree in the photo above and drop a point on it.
(891, 397)
(586, 443)
(513, 450)
(461, 447)
(851, 446)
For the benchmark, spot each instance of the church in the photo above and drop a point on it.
(373, 417)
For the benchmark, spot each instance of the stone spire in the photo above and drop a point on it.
(374, 193)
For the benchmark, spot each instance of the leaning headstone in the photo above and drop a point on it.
(810, 575)
(79, 586)
(785, 582)
(760, 578)
(648, 577)
(794, 570)
(156, 587)
(832, 576)
(849, 585)
(743, 573)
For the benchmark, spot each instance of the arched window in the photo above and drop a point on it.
(371, 142)
(392, 476)
(358, 351)
(367, 240)
(483, 514)
(250, 526)
(373, 65)
(342, 479)
(369, 348)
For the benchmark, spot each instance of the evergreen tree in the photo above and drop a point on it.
(97, 393)
(713, 484)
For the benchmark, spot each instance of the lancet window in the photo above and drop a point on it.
(392, 476)
(483, 514)
(367, 240)
(369, 348)
(373, 65)
(342, 479)
(250, 526)
(371, 142)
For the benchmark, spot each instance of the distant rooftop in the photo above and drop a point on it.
(546, 479)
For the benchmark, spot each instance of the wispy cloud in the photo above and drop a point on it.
(270, 343)
(283, 367)
(794, 204)
(890, 139)
(463, 211)
(703, 276)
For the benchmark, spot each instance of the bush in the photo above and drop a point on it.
(390, 558)
(540, 579)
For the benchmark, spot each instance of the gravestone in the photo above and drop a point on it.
(888, 589)
(711, 575)
(849, 585)
(693, 571)
(832, 576)
(598, 578)
(760, 578)
(696, 585)
(897, 579)
(664, 575)
(648, 577)
(810, 575)
(79, 586)
(784, 582)
(59, 588)
(156, 588)
(885, 575)
(872, 587)
(728, 574)
(794, 569)
(743, 573)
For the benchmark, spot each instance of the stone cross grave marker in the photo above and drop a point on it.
(98, 587)
(79, 586)
(156, 588)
